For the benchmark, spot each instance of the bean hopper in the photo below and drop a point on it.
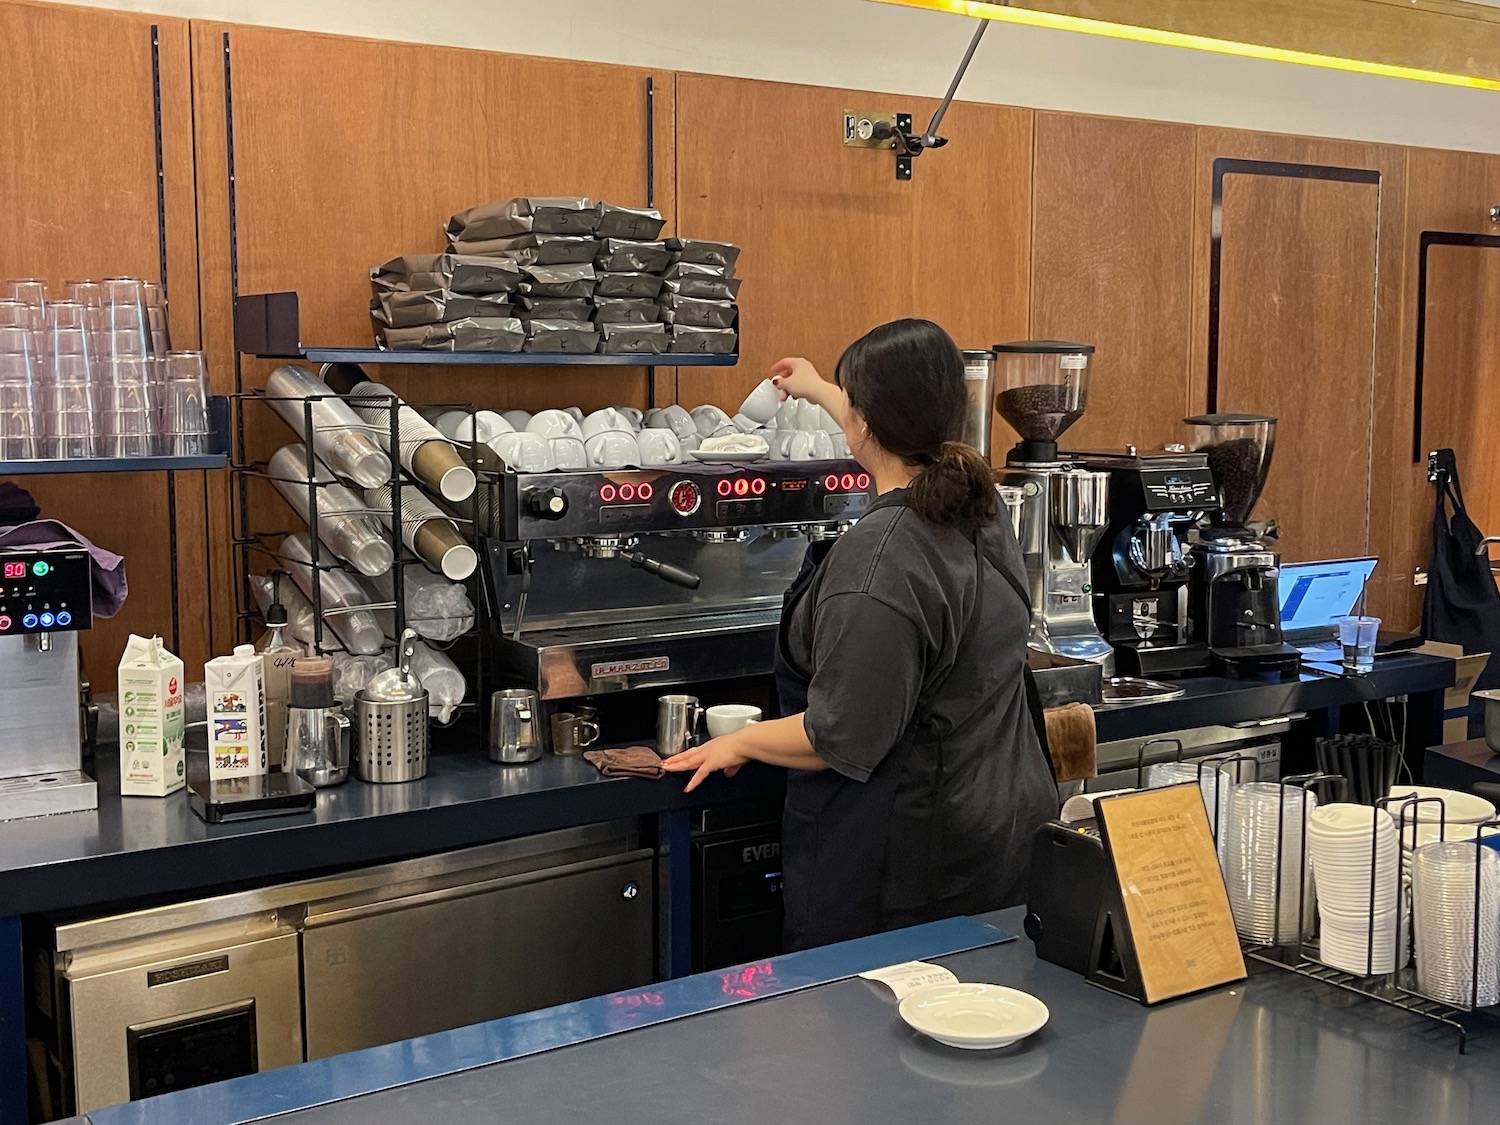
(1235, 604)
(1064, 508)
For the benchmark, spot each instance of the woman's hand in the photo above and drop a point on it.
(797, 378)
(716, 754)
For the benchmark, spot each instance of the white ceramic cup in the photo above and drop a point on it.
(658, 447)
(518, 419)
(822, 445)
(710, 420)
(460, 425)
(809, 416)
(786, 415)
(676, 419)
(730, 717)
(745, 424)
(612, 450)
(635, 416)
(690, 443)
(802, 447)
(576, 412)
(762, 403)
(525, 453)
(568, 454)
(554, 423)
(781, 444)
(840, 444)
(604, 421)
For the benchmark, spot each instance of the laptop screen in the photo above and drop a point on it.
(1313, 595)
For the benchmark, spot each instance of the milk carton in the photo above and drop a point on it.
(236, 713)
(151, 720)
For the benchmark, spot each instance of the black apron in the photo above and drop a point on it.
(858, 867)
(1461, 604)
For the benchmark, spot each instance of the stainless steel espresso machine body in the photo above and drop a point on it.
(619, 580)
(1143, 563)
(45, 601)
(1064, 508)
(1235, 602)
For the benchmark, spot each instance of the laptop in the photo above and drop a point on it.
(1315, 595)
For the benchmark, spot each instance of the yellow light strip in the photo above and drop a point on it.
(1032, 18)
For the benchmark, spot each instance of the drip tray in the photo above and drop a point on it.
(1132, 691)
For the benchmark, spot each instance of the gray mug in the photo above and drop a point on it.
(677, 718)
(573, 733)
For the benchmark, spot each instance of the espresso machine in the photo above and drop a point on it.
(1142, 565)
(45, 602)
(1234, 601)
(1064, 506)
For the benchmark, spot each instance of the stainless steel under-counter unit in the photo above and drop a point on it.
(475, 935)
(1259, 741)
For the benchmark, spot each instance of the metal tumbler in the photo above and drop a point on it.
(677, 718)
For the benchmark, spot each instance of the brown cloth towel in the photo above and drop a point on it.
(1071, 738)
(633, 761)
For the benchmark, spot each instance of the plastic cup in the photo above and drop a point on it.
(1357, 636)
(18, 421)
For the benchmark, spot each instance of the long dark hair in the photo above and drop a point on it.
(906, 379)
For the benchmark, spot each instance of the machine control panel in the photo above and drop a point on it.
(682, 498)
(45, 591)
(1179, 490)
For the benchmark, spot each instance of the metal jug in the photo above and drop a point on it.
(317, 744)
(677, 718)
(517, 733)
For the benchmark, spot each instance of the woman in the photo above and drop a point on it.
(917, 775)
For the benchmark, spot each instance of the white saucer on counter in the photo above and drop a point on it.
(974, 1017)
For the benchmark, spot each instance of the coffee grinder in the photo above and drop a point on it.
(1234, 602)
(1142, 565)
(1064, 508)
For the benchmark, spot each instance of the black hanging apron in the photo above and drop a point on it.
(837, 855)
(1461, 605)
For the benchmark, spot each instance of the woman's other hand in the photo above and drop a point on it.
(795, 377)
(715, 754)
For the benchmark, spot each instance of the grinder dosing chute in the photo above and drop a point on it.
(1239, 449)
(1080, 511)
(1045, 389)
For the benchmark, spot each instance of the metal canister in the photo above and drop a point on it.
(391, 738)
(979, 385)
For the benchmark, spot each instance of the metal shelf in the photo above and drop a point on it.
(114, 465)
(511, 359)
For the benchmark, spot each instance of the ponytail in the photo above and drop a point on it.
(957, 489)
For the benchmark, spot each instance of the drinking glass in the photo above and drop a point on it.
(18, 314)
(124, 291)
(16, 341)
(18, 419)
(131, 384)
(129, 432)
(68, 415)
(1358, 636)
(71, 369)
(184, 403)
(28, 290)
(126, 333)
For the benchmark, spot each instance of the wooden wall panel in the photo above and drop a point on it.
(834, 244)
(1309, 326)
(349, 151)
(1112, 266)
(78, 198)
(1447, 191)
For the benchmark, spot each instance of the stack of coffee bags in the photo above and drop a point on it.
(552, 242)
(446, 302)
(629, 267)
(698, 296)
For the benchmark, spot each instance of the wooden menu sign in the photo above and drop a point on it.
(1174, 932)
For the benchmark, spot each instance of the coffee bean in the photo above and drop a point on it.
(1237, 468)
(1043, 411)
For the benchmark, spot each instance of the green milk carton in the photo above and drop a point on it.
(151, 719)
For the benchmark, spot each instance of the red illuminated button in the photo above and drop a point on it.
(725, 487)
(863, 480)
(685, 497)
(644, 492)
(4, 623)
(758, 486)
(741, 486)
(627, 492)
(847, 483)
(831, 482)
(607, 493)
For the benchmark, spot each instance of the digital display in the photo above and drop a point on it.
(15, 570)
(794, 484)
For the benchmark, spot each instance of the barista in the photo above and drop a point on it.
(917, 775)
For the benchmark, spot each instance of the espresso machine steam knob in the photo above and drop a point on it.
(547, 503)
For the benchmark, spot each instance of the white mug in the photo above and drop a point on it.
(676, 419)
(762, 403)
(525, 453)
(730, 717)
(460, 425)
(781, 444)
(658, 447)
(786, 415)
(822, 445)
(576, 412)
(809, 416)
(690, 443)
(710, 420)
(613, 450)
(604, 421)
(802, 446)
(518, 419)
(840, 444)
(745, 424)
(635, 416)
(553, 423)
(569, 454)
